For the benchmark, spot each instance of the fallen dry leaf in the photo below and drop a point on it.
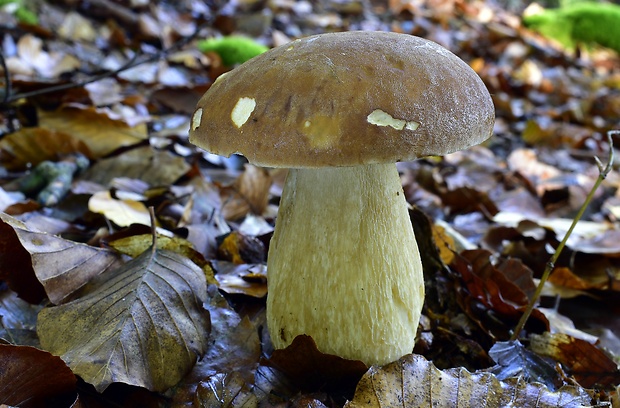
(15, 262)
(248, 194)
(413, 381)
(100, 132)
(233, 347)
(121, 212)
(589, 365)
(61, 266)
(143, 324)
(154, 167)
(30, 146)
(33, 378)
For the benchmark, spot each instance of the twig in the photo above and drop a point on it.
(603, 171)
(135, 61)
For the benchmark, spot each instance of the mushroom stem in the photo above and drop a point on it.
(344, 266)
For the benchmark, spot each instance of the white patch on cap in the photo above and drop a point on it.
(196, 118)
(242, 111)
(381, 118)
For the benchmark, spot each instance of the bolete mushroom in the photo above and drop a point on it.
(340, 110)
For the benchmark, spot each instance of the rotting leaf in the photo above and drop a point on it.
(61, 266)
(589, 365)
(225, 390)
(143, 324)
(29, 377)
(514, 360)
(413, 381)
(233, 346)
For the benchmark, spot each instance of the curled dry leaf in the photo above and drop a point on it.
(143, 324)
(61, 266)
(29, 377)
(248, 194)
(244, 279)
(588, 364)
(413, 381)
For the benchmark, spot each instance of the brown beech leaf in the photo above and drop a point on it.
(311, 369)
(564, 277)
(413, 381)
(29, 377)
(587, 363)
(493, 292)
(143, 324)
(467, 199)
(61, 266)
(155, 167)
(248, 194)
(30, 146)
(134, 245)
(96, 128)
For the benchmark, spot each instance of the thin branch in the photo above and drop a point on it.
(603, 171)
(135, 61)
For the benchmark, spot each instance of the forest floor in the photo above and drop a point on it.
(97, 99)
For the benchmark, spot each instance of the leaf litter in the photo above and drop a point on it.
(490, 217)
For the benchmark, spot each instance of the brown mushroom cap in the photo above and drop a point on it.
(345, 99)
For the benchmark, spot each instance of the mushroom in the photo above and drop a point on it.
(340, 110)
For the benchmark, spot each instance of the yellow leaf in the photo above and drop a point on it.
(121, 212)
(96, 128)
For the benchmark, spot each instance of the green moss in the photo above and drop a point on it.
(585, 23)
(234, 49)
(20, 10)
(26, 16)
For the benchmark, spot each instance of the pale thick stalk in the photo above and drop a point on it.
(343, 264)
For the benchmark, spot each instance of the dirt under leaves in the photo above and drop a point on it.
(113, 84)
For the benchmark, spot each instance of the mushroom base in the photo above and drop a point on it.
(344, 266)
